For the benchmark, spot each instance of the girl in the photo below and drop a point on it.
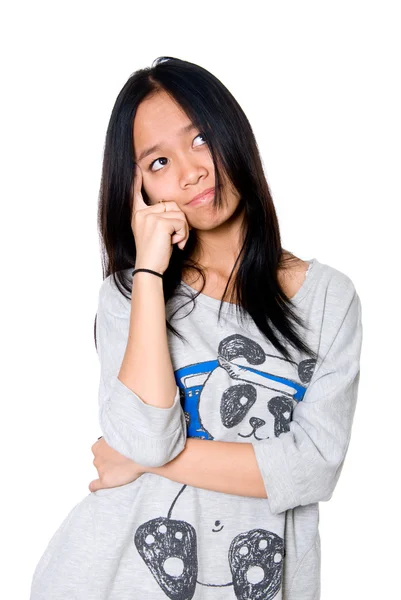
(229, 367)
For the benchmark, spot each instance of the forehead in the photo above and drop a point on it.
(157, 118)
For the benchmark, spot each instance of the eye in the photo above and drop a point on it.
(154, 162)
(163, 158)
(202, 136)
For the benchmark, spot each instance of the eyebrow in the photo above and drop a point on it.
(158, 146)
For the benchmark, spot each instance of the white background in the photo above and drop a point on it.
(319, 82)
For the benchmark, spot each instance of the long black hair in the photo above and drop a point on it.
(215, 112)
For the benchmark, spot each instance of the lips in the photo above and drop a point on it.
(202, 195)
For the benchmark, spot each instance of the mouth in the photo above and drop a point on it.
(253, 434)
(202, 198)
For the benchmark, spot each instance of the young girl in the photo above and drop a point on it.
(229, 367)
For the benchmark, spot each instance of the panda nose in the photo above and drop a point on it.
(256, 423)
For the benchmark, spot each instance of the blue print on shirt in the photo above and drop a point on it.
(245, 382)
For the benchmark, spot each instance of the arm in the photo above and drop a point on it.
(131, 340)
(147, 344)
(301, 466)
(227, 467)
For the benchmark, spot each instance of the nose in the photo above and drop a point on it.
(191, 171)
(256, 423)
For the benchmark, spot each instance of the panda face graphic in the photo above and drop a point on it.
(254, 393)
(245, 395)
(249, 409)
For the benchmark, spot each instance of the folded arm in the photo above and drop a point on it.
(150, 435)
(302, 465)
(226, 467)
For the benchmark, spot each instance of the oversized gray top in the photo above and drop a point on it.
(158, 539)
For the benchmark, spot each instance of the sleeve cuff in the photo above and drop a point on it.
(152, 421)
(149, 435)
(276, 474)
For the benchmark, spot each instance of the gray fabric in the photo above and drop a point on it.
(158, 539)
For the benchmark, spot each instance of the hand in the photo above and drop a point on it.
(113, 468)
(156, 228)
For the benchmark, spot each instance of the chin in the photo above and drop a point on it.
(208, 223)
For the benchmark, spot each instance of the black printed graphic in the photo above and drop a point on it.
(169, 548)
(281, 409)
(256, 564)
(161, 540)
(253, 400)
(236, 402)
(244, 395)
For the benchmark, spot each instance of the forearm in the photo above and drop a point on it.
(227, 467)
(147, 345)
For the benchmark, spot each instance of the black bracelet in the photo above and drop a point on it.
(147, 270)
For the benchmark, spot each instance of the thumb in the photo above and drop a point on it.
(94, 485)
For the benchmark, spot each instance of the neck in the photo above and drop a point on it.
(218, 249)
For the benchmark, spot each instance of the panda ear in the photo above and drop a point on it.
(305, 369)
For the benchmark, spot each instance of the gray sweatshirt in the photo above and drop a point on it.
(158, 539)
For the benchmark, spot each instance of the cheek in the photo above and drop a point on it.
(158, 189)
(151, 190)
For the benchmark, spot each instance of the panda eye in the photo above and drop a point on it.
(236, 402)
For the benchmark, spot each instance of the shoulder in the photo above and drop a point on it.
(326, 285)
(337, 283)
(332, 279)
(292, 277)
(111, 298)
(335, 303)
(298, 275)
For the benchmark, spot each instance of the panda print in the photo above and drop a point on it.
(249, 565)
(243, 395)
(254, 403)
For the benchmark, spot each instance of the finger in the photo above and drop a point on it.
(94, 485)
(179, 229)
(100, 441)
(173, 214)
(172, 207)
(176, 210)
(138, 202)
(181, 234)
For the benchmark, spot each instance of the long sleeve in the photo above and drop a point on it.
(302, 466)
(149, 435)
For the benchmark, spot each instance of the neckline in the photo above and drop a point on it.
(310, 276)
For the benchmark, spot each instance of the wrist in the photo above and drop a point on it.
(146, 264)
(154, 470)
(156, 271)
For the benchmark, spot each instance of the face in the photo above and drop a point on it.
(182, 166)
